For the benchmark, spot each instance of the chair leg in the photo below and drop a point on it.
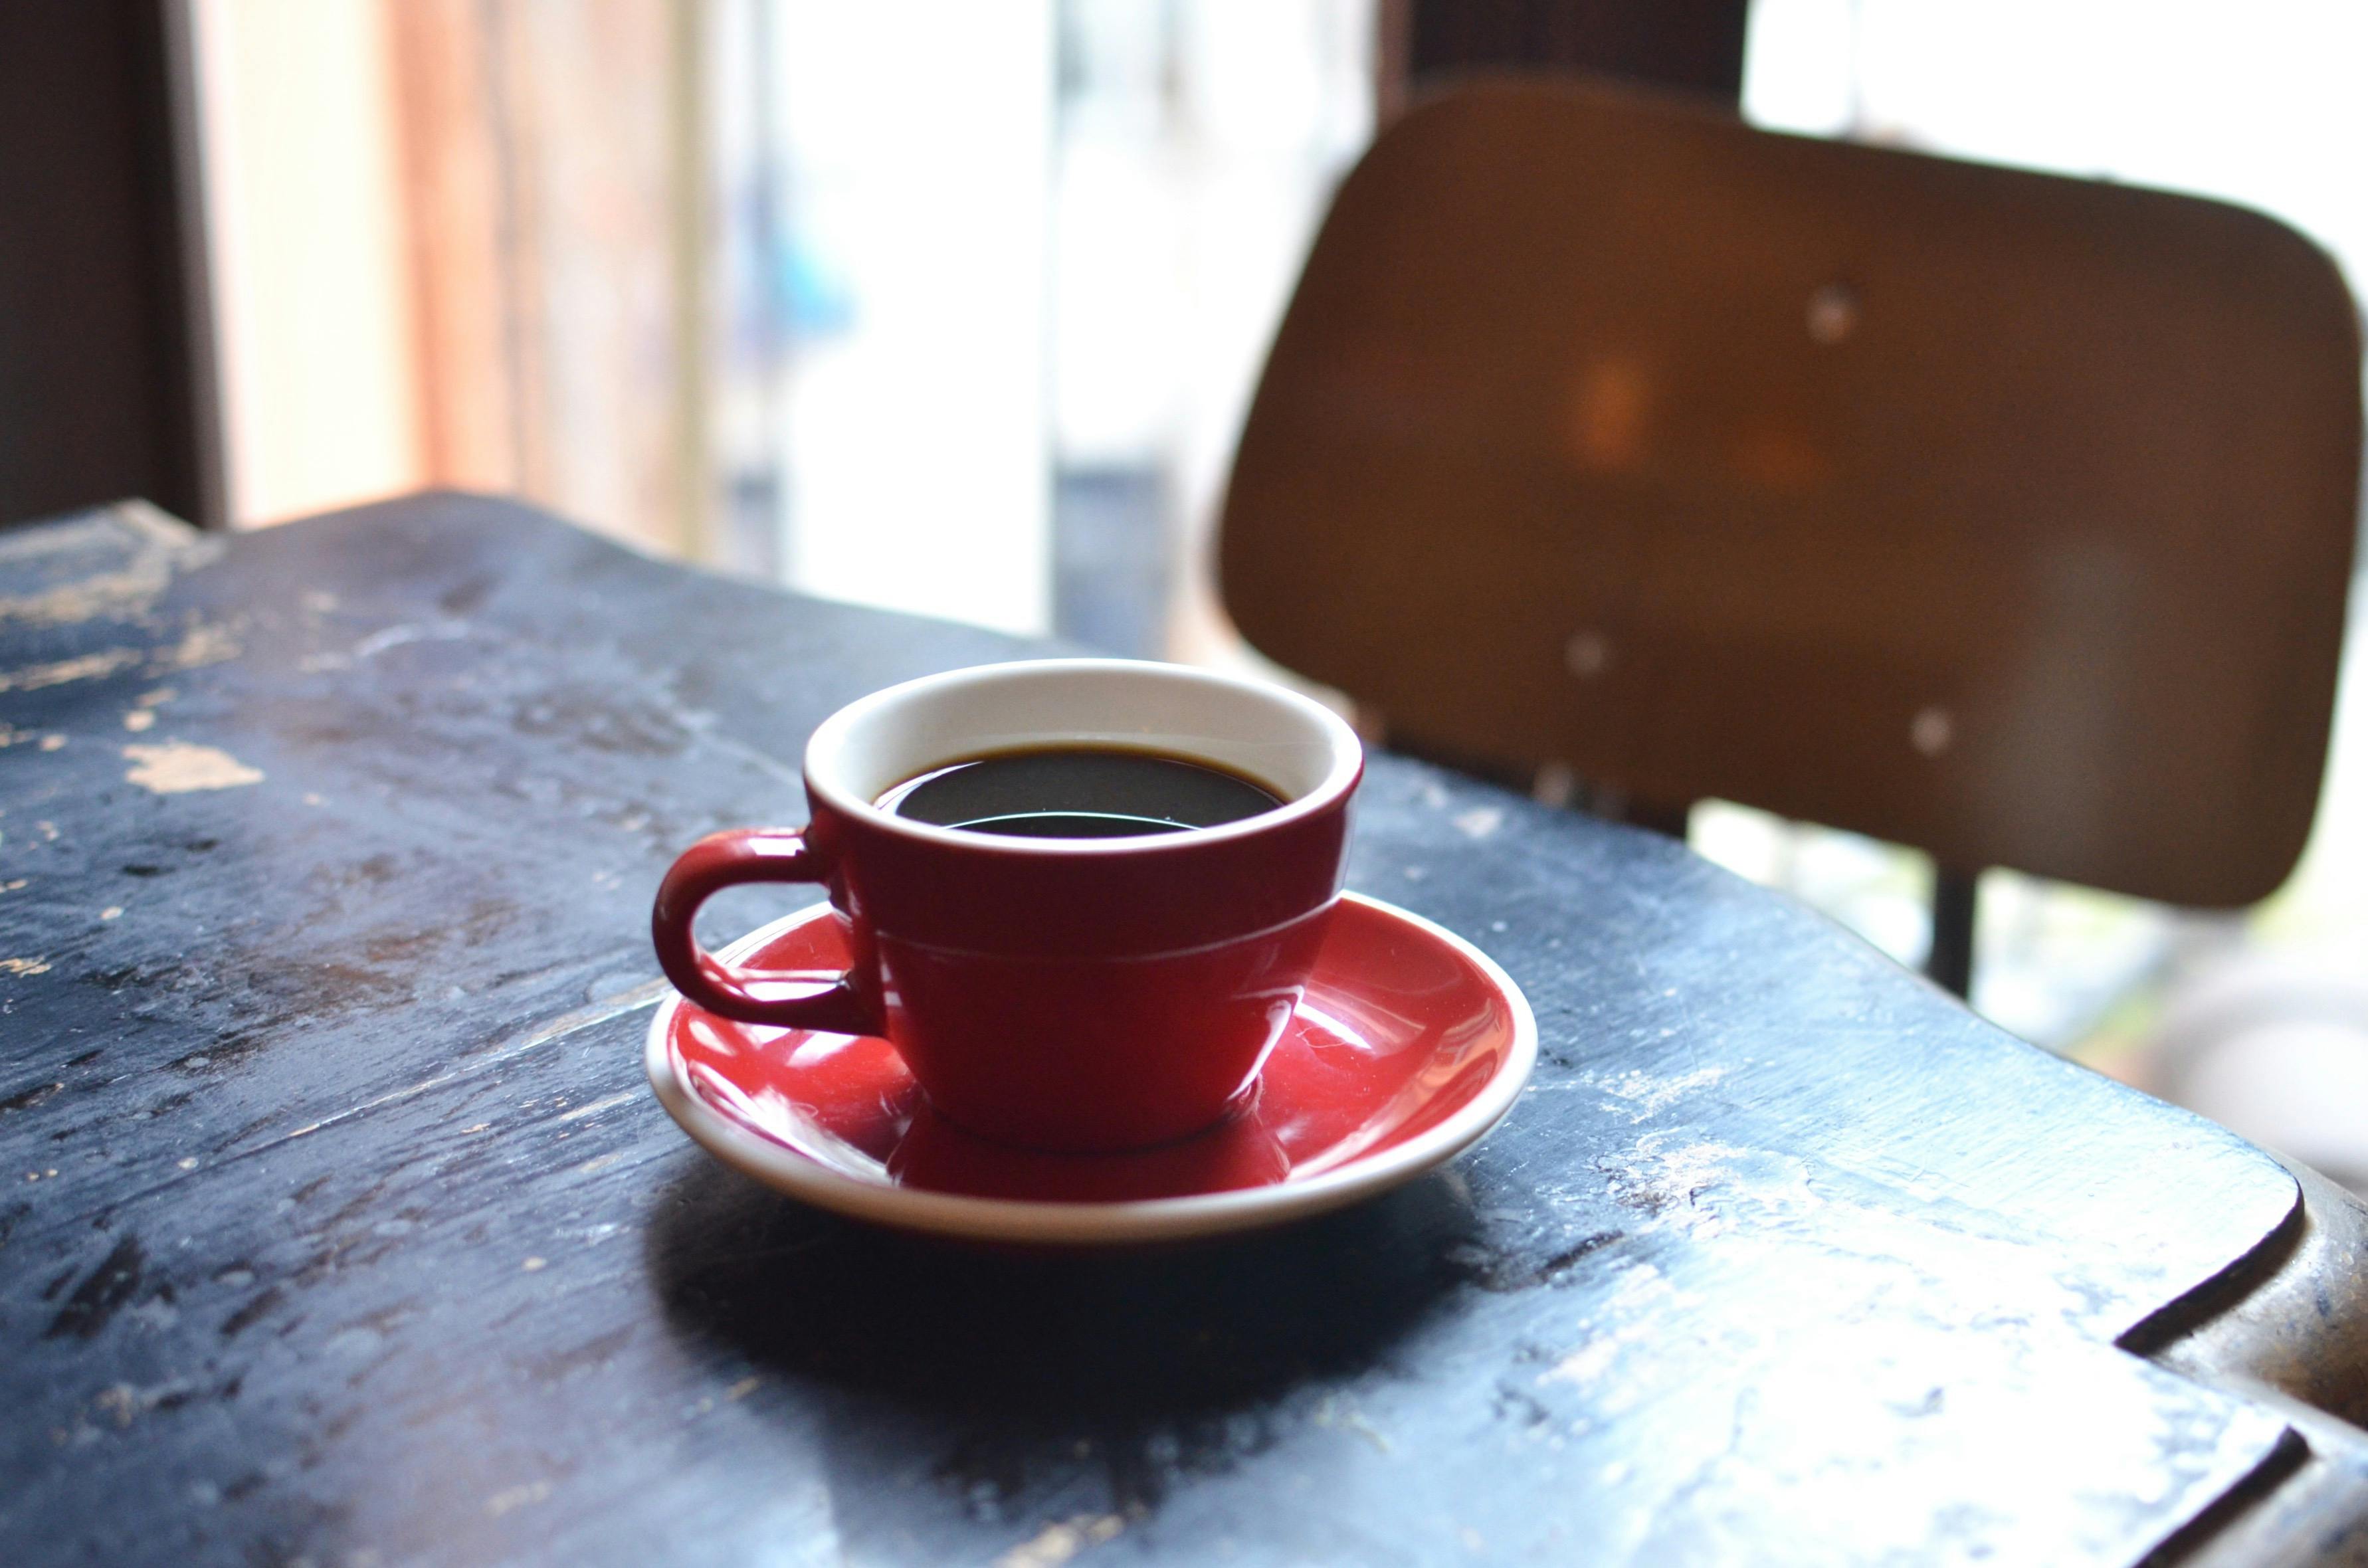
(1671, 821)
(1950, 961)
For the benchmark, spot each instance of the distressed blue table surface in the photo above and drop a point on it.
(337, 1223)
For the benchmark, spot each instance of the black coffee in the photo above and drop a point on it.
(1078, 793)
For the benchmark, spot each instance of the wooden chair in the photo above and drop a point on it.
(2003, 515)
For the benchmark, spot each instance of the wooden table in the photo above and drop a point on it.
(337, 1226)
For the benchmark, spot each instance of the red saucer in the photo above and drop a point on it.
(1408, 1045)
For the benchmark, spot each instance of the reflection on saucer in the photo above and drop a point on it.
(937, 1156)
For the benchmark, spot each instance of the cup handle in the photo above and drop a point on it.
(728, 859)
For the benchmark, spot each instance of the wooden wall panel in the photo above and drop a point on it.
(107, 383)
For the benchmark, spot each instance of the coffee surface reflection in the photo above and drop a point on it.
(1078, 793)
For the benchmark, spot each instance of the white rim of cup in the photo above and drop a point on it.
(1347, 758)
(1040, 1222)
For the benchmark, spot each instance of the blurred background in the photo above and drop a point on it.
(956, 309)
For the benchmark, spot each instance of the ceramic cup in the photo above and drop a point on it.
(1083, 994)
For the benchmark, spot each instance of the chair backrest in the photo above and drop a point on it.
(2004, 516)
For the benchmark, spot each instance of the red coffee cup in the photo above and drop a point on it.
(1082, 994)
